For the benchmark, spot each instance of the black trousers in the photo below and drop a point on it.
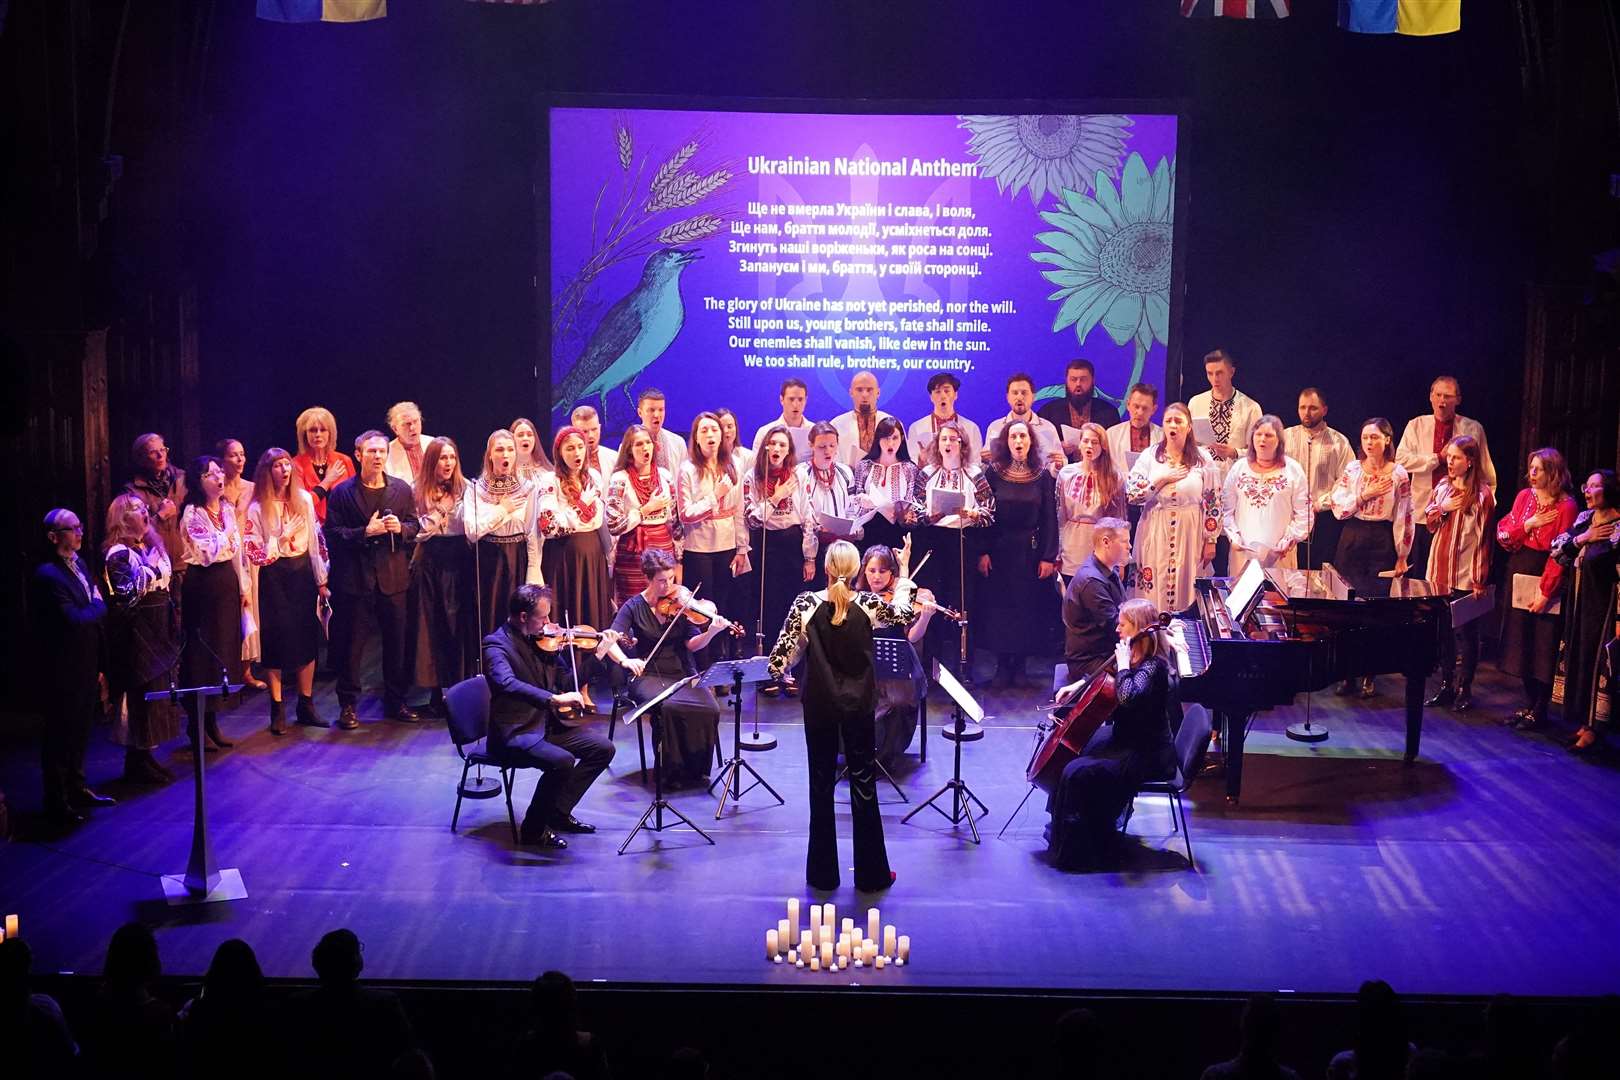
(569, 759)
(1465, 649)
(61, 752)
(712, 570)
(356, 619)
(822, 728)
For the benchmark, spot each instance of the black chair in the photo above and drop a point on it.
(467, 706)
(1191, 742)
(622, 704)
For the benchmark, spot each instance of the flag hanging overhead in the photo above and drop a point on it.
(1417, 18)
(301, 11)
(1236, 9)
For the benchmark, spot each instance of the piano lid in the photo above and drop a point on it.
(1324, 584)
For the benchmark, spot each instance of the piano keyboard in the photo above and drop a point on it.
(1191, 647)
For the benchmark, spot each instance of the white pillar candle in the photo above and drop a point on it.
(870, 952)
(888, 941)
(793, 956)
(826, 954)
(806, 941)
(771, 943)
(847, 926)
(793, 915)
(905, 947)
(881, 960)
(872, 923)
(826, 933)
(784, 935)
(829, 917)
(815, 963)
(815, 920)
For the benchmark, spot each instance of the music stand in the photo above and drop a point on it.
(735, 673)
(894, 658)
(961, 795)
(203, 881)
(653, 709)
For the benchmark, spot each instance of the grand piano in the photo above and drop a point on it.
(1256, 641)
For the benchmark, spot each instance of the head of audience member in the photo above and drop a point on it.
(585, 420)
(234, 977)
(1077, 1044)
(572, 459)
(371, 450)
(205, 480)
(232, 457)
(527, 437)
(317, 432)
(1111, 542)
(274, 477)
(879, 569)
(16, 961)
(132, 959)
(149, 456)
(1312, 409)
(1445, 394)
(942, 390)
(863, 393)
(553, 1005)
(1140, 404)
(686, 1063)
(1139, 624)
(1079, 382)
(637, 450)
(1381, 1042)
(776, 454)
(650, 407)
(440, 475)
(658, 566)
(404, 419)
(1220, 369)
(706, 446)
(1179, 442)
(1261, 1027)
(1011, 447)
(1602, 490)
(1461, 455)
(794, 395)
(529, 608)
(728, 430)
(500, 455)
(841, 563)
(823, 446)
(949, 447)
(1020, 394)
(1265, 441)
(1377, 441)
(64, 532)
(338, 958)
(889, 442)
(130, 523)
(1547, 472)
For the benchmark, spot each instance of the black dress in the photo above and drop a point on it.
(1017, 610)
(1590, 624)
(439, 610)
(143, 645)
(692, 716)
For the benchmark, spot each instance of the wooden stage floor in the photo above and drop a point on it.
(1490, 865)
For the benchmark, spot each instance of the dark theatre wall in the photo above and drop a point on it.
(1356, 220)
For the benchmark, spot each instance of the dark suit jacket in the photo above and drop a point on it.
(361, 563)
(1090, 612)
(521, 683)
(1102, 413)
(68, 639)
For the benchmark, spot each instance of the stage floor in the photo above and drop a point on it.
(1490, 865)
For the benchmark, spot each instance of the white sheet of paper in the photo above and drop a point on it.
(1130, 459)
(941, 503)
(838, 526)
(1526, 587)
(1071, 435)
(1202, 429)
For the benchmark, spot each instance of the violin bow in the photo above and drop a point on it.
(691, 595)
(573, 651)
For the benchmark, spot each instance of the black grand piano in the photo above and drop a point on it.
(1255, 641)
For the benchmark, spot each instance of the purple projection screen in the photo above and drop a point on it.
(712, 254)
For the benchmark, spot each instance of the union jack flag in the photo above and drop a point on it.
(1236, 9)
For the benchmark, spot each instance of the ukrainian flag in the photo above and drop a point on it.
(1418, 18)
(300, 11)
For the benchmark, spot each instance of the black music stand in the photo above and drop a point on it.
(735, 673)
(961, 795)
(894, 658)
(203, 881)
(654, 711)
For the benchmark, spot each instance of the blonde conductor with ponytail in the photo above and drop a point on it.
(831, 633)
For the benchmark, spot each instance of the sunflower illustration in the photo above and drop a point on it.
(1047, 153)
(1111, 257)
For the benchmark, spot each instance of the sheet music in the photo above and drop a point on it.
(838, 526)
(1526, 587)
(942, 503)
(1205, 432)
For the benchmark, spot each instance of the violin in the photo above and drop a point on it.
(697, 612)
(554, 638)
(927, 605)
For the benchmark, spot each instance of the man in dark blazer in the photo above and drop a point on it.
(67, 611)
(1091, 602)
(1079, 405)
(526, 689)
(370, 526)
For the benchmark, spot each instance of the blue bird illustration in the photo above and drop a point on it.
(633, 333)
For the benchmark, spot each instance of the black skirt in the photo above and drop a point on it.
(1016, 610)
(1365, 549)
(576, 569)
(211, 625)
(440, 611)
(502, 567)
(289, 629)
(1529, 641)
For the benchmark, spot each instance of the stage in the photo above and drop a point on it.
(1487, 866)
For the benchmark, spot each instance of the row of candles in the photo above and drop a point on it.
(828, 946)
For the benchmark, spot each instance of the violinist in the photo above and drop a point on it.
(1091, 601)
(1133, 748)
(531, 693)
(896, 716)
(666, 640)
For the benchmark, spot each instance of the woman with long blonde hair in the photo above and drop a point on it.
(832, 631)
(321, 465)
(1087, 490)
(1178, 488)
(1458, 514)
(281, 538)
(500, 512)
(143, 634)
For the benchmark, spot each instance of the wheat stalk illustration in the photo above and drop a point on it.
(687, 189)
(693, 228)
(669, 169)
(622, 135)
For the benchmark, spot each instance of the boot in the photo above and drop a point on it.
(307, 715)
(1442, 697)
(1464, 699)
(278, 718)
(211, 729)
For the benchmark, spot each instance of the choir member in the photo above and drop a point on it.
(215, 593)
(1134, 748)
(825, 482)
(832, 630)
(640, 510)
(498, 515)
(1422, 451)
(573, 559)
(532, 464)
(1092, 600)
(1324, 454)
(1089, 488)
(281, 539)
(589, 424)
(143, 641)
(69, 650)
(1137, 431)
(1457, 514)
(321, 466)
(794, 394)
(438, 604)
(1018, 610)
(667, 654)
(1178, 488)
(714, 547)
(887, 486)
(1079, 405)
(405, 449)
(1266, 501)
(1529, 648)
(370, 527)
(1373, 500)
(857, 428)
(1589, 547)
(160, 485)
(1230, 413)
(741, 455)
(669, 448)
(773, 504)
(895, 719)
(239, 493)
(956, 496)
(1048, 452)
(942, 391)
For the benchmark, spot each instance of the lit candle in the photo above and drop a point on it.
(826, 954)
(870, 953)
(829, 915)
(826, 933)
(888, 941)
(899, 962)
(793, 956)
(858, 962)
(847, 926)
(793, 914)
(881, 960)
(815, 921)
(777, 959)
(806, 941)
(11, 927)
(872, 923)
(784, 936)
(905, 948)
(800, 963)
(771, 943)
(815, 963)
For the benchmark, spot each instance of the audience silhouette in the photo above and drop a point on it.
(130, 1031)
(343, 1030)
(224, 1028)
(551, 1041)
(1260, 1028)
(1381, 1049)
(34, 1036)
